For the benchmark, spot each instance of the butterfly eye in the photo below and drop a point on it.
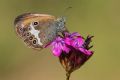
(35, 23)
(34, 41)
(29, 28)
(31, 38)
(21, 29)
(27, 34)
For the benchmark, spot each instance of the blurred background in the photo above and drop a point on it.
(100, 18)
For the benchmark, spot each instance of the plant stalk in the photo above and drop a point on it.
(67, 76)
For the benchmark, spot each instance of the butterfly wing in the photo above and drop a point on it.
(36, 30)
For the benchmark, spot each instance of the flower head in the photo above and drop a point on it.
(72, 50)
(64, 44)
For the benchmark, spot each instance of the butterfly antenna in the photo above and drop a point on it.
(67, 8)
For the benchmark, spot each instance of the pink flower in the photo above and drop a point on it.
(68, 42)
(72, 50)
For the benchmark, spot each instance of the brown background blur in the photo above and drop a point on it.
(100, 18)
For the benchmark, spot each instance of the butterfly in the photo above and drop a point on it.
(38, 30)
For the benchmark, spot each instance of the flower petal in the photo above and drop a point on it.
(78, 42)
(59, 45)
(75, 34)
(56, 50)
(65, 48)
(68, 41)
(85, 51)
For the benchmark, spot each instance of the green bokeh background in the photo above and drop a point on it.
(100, 18)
